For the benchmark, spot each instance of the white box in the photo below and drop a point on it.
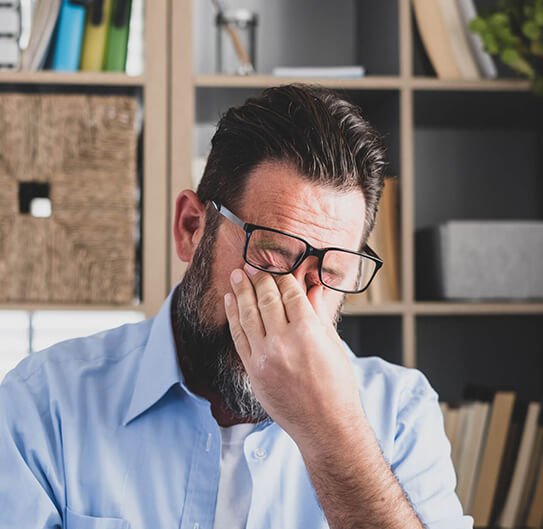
(481, 260)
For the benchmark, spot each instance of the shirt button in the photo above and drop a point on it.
(260, 453)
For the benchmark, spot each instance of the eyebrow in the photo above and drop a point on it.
(268, 245)
(337, 273)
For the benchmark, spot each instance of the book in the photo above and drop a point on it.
(95, 35)
(483, 59)
(384, 240)
(531, 480)
(10, 27)
(67, 50)
(43, 24)
(512, 504)
(10, 22)
(509, 461)
(434, 36)
(454, 27)
(27, 11)
(117, 37)
(9, 54)
(317, 71)
(459, 433)
(135, 56)
(451, 419)
(534, 519)
(474, 437)
(492, 456)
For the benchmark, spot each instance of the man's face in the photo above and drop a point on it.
(275, 197)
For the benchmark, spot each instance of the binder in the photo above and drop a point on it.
(95, 36)
(69, 36)
(117, 39)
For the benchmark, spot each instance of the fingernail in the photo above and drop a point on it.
(237, 276)
(228, 299)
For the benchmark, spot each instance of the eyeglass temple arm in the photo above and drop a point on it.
(228, 214)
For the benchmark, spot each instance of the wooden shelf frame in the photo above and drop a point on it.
(47, 77)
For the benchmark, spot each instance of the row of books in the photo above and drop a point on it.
(453, 49)
(497, 451)
(72, 35)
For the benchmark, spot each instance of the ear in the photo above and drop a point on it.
(189, 224)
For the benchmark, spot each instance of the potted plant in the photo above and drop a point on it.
(514, 32)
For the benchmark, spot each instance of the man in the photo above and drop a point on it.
(238, 405)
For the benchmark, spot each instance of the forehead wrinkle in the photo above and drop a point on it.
(306, 230)
(278, 197)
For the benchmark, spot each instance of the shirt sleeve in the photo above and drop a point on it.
(30, 460)
(422, 459)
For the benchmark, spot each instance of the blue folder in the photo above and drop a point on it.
(71, 25)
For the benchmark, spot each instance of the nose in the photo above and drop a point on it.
(307, 274)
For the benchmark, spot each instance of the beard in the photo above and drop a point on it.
(206, 351)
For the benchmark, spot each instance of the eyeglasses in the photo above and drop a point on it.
(277, 252)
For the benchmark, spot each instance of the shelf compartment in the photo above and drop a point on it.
(309, 33)
(501, 352)
(373, 336)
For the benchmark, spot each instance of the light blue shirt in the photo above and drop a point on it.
(102, 433)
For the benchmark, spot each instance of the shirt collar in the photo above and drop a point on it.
(158, 368)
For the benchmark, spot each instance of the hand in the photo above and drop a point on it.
(298, 367)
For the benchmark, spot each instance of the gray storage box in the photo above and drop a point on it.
(481, 260)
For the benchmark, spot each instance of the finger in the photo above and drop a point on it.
(249, 315)
(315, 298)
(238, 335)
(268, 299)
(294, 298)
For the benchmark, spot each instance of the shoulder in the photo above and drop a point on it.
(392, 397)
(378, 376)
(57, 372)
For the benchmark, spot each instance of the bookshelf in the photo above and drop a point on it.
(405, 101)
(152, 89)
(182, 95)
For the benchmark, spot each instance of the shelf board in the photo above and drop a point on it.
(352, 308)
(443, 308)
(263, 81)
(31, 307)
(75, 78)
(370, 82)
(431, 83)
(476, 308)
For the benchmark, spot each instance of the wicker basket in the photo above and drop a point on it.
(85, 148)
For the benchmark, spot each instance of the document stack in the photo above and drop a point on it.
(10, 27)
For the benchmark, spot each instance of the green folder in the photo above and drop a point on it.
(117, 38)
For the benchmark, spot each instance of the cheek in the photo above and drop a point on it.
(332, 301)
(228, 256)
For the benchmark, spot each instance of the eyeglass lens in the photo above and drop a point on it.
(280, 253)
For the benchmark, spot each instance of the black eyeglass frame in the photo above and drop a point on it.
(309, 250)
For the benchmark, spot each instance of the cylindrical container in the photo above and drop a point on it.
(236, 42)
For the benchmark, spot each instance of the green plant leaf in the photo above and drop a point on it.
(531, 30)
(477, 25)
(538, 16)
(512, 58)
